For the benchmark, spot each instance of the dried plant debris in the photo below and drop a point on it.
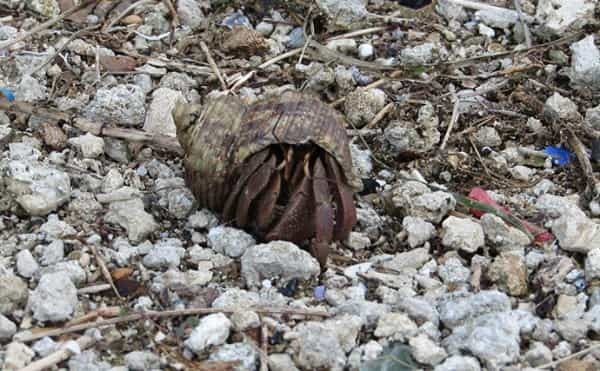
(308, 185)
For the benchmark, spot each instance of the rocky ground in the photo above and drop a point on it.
(460, 98)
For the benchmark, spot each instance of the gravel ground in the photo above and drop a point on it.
(474, 129)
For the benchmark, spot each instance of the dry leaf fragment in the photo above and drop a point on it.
(118, 63)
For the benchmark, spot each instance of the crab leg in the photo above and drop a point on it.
(253, 163)
(323, 214)
(265, 204)
(345, 210)
(257, 182)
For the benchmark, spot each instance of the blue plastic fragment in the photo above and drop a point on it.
(320, 292)
(7, 93)
(560, 156)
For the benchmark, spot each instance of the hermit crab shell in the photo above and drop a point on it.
(220, 136)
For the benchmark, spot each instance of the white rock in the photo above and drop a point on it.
(131, 215)
(501, 235)
(418, 55)
(459, 308)
(317, 347)
(159, 119)
(348, 14)
(397, 325)
(365, 51)
(17, 356)
(346, 46)
(190, 13)
(71, 268)
(585, 63)
(559, 107)
(486, 31)
(277, 259)
(54, 228)
(212, 330)
(38, 188)
(26, 264)
(557, 15)
(245, 353)
(453, 272)
(426, 351)
(456, 363)
(592, 265)
(363, 104)
(54, 299)
(573, 229)
(361, 160)
(7, 328)
(44, 346)
(229, 241)
(281, 362)
(357, 241)
(419, 231)
(51, 253)
(244, 320)
(112, 181)
(592, 118)
(142, 360)
(462, 234)
(165, 254)
(30, 90)
(264, 28)
(122, 104)
(14, 293)
(414, 258)
(90, 145)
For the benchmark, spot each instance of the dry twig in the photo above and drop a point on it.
(104, 270)
(60, 355)
(27, 336)
(213, 65)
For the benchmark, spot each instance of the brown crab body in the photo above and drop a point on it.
(280, 167)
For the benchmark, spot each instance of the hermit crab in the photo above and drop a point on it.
(279, 168)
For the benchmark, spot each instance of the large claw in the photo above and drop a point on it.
(265, 204)
(293, 225)
(253, 163)
(257, 182)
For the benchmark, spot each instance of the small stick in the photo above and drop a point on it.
(213, 65)
(98, 74)
(60, 355)
(64, 46)
(279, 58)
(380, 115)
(242, 80)
(574, 355)
(28, 336)
(124, 13)
(584, 161)
(105, 271)
(93, 289)
(264, 343)
(453, 120)
(362, 32)
(173, 12)
(47, 24)
(102, 312)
